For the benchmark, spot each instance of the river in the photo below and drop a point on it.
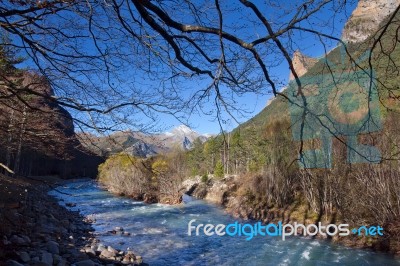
(159, 233)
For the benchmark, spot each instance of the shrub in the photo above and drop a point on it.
(127, 175)
(204, 178)
(168, 173)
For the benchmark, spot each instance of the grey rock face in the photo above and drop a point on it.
(366, 18)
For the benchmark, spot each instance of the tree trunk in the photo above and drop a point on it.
(20, 140)
(9, 139)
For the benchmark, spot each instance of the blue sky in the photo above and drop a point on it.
(251, 103)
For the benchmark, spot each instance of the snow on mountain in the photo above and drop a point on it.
(182, 129)
(144, 145)
(182, 136)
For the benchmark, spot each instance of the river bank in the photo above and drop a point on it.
(236, 202)
(36, 230)
(159, 232)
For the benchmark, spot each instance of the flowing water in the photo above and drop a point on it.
(159, 234)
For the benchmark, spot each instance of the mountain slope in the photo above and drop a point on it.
(383, 63)
(145, 145)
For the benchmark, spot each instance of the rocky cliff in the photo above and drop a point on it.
(366, 18)
(36, 133)
(301, 64)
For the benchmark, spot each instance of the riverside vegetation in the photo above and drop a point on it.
(157, 179)
(261, 156)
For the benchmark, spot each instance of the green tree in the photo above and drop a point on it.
(236, 151)
(8, 56)
(219, 170)
(196, 157)
(210, 151)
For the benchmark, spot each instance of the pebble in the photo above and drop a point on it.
(13, 263)
(53, 247)
(47, 258)
(24, 256)
(20, 240)
(35, 259)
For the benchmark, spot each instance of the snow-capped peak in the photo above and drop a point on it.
(183, 129)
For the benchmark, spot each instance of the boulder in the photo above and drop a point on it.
(111, 249)
(200, 191)
(138, 259)
(101, 247)
(107, 254)
(90, 251)
(189, 185)
(126, 261)
(216, 194)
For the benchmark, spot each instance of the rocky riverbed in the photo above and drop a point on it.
(36, 230)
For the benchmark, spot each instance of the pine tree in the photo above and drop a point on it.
(219, 170)
(8, 55)
(210, 151)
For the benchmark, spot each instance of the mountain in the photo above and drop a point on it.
(183, 135)
(145, 145)
(37, 136)
(366, 18)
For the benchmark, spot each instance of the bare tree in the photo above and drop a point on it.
(99, 55)
(118, 62)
